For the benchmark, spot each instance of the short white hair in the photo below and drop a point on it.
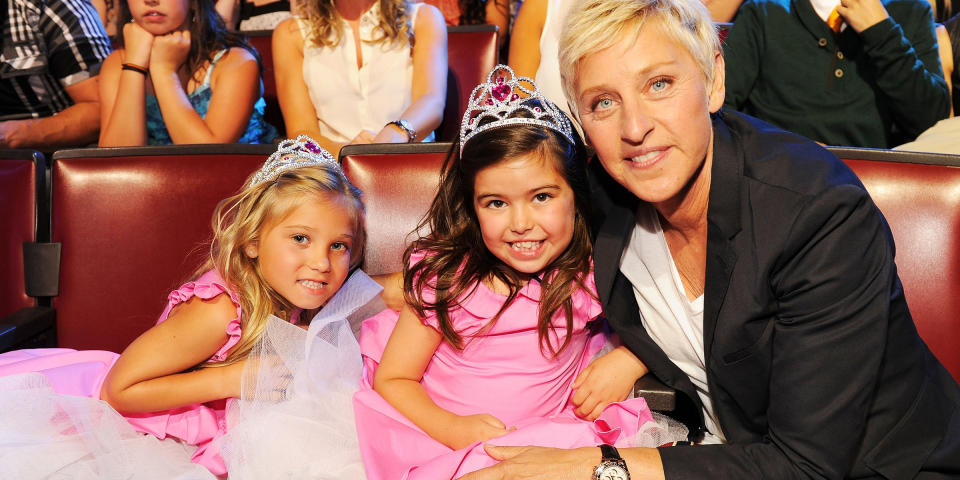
(595, 25)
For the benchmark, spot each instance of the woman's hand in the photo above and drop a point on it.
(538, 463)
(169, 52)
(137, 45)
(607, 379)
(365, 136)
(390, 134)
(467, 430)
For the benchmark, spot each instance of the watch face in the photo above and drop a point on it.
(613, 472)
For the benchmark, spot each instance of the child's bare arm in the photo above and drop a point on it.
(609, 378)
(150, 374)
(405, 358)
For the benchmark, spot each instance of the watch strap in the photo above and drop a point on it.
(405, 126)
(609, 452)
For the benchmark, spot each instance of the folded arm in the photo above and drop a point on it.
(153, 373)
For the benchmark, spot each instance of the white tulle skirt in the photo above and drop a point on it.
(45, 435)
(295, 417)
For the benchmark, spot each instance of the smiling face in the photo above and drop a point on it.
(645, 105)
(305, 255)
(526, 211)
(160, 17)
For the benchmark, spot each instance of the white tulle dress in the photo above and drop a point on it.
(294, 420)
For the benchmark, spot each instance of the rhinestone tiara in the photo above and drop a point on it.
(292, 153)
(503, 94)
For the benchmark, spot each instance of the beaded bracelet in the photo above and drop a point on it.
(134, 68)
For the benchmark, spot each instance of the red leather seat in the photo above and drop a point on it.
(18, 202)
(919, 195)
(398, 181)
(262, 41)
(471, 54)
(134, 223)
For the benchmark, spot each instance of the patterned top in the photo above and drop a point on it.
(48, 45)
(258, 130)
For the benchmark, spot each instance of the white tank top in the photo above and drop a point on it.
(348, 100)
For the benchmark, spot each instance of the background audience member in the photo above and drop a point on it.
(952, 28)
(350, 71)
(51, 53)
(180, 77)
(874, 81)
(248, 15)
(942, 10)
(723, 10)
(533, 46)
(107, 9)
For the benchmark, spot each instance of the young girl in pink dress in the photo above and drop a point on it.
(496, 341)
(283, 246)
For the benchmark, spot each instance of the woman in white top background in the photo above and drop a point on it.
(361, 71)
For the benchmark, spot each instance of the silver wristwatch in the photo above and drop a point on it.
(612, 466)
(406, 128)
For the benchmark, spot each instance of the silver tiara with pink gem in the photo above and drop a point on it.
(292, 153)
(503, 94)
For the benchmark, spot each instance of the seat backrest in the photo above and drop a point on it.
(471, 54)
(919, 195)
(262, 40)
(19, 192)
(723, 28)
(398, 181)
(134, 223)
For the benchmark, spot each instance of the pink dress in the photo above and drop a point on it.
(502, 373)
(82, 373)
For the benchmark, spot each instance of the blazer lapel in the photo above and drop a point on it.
(723, 223)
(614, 218)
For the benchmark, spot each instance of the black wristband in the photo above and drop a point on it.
(134, 68)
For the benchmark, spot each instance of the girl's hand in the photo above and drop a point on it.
(607, 379)
(467, 430)
(137, 44)
(232, 378)
(169, 52)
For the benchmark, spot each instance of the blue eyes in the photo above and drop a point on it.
(659, 85)
(303, 240)
(603, 103)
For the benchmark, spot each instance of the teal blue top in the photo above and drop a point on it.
(258, 130)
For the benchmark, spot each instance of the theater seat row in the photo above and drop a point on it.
(116, 229)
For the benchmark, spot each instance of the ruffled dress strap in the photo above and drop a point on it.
(208, 286)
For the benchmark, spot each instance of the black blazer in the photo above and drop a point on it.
(814, 364)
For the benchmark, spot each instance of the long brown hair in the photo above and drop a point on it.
(326, 29)
(456, 259)
(238, 221)
(208, 34)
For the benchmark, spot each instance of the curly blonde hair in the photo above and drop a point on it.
(326, 30)
(238, 222)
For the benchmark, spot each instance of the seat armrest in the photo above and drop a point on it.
(29, 327)
(659, 397)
